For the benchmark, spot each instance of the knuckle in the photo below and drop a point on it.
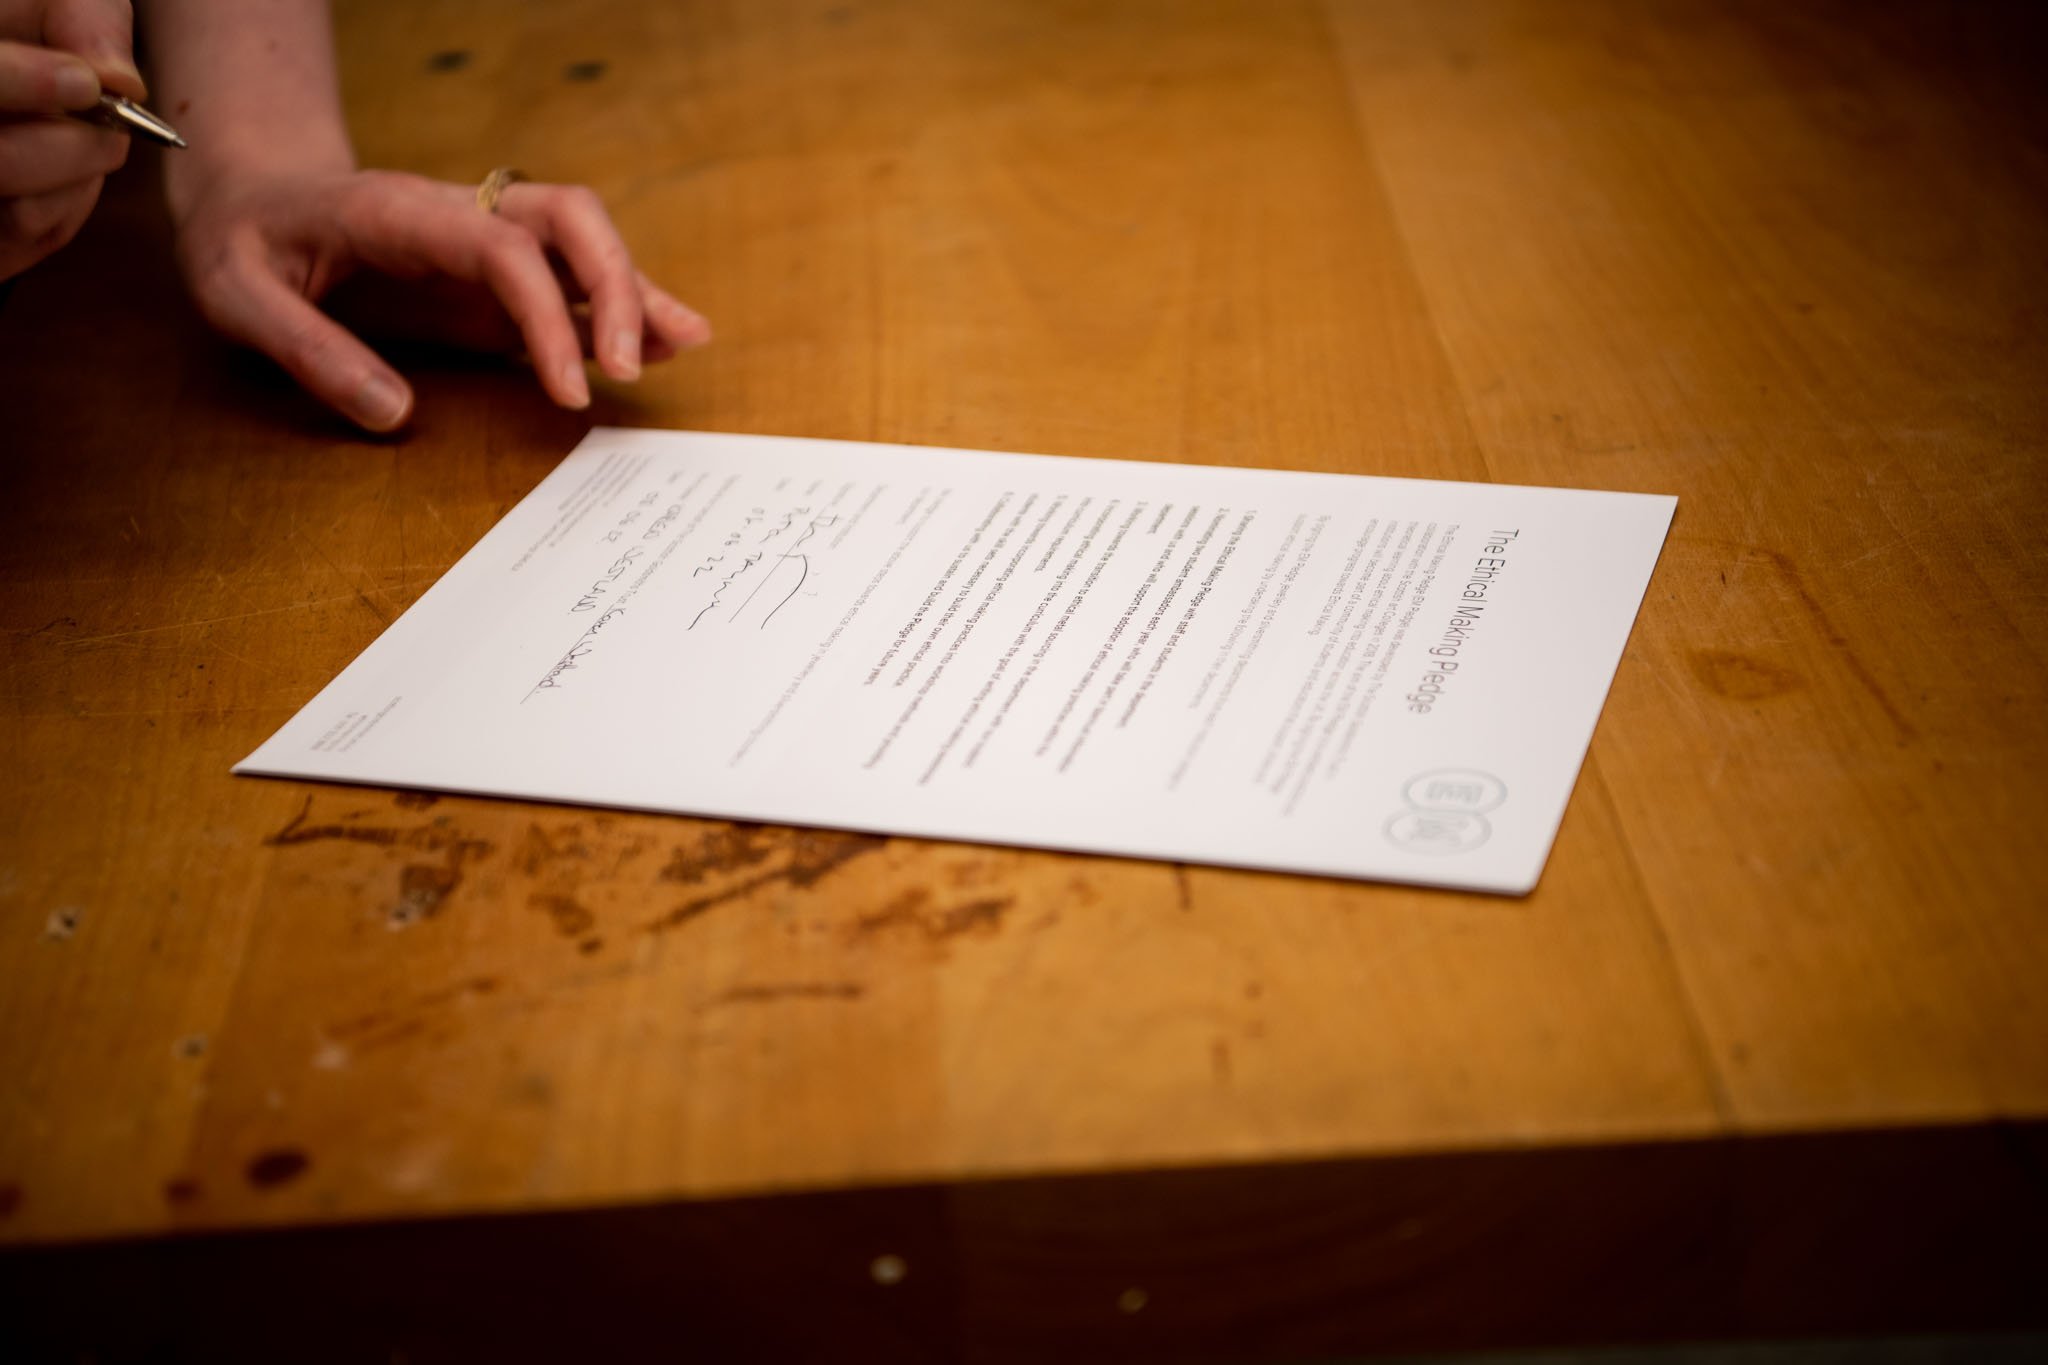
(57, 232)
(507, 246)
(375, 182)
(379, 200)
(218, 271)
(216, 285)
(31, 220)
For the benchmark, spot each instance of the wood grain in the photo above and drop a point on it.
(1783, 264)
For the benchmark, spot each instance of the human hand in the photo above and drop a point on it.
(57, 55)
(261, 250)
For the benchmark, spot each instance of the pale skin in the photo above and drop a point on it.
(274, 218)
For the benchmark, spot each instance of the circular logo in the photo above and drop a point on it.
(1430, 831)
(1455, 789)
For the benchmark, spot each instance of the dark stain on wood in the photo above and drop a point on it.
(539, 849)
(10, 1200)
(974, 917)
(181, 1191)
(730, 849)
(1740, 677)
(422, 888)
(414, 800)
(434, 837)
(818, 854)
(909, 911)
(382, 616)
(1219, 1060)
(276, 1167)
(583, 71)
(906, 907)
(299, 832)
(814, 855)
(454, 59)
(795, 990)
(571, 920)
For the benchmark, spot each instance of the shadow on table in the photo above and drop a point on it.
(1899, 1232)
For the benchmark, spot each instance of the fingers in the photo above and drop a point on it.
(406, 226)
(572, 220)
(33, 226)
(41, 80)
(678, 327)
(242, 298)
(103, 33)
(41, 155)
(631, 319)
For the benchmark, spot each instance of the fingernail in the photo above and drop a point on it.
(380, 403)
(575, 385)
(626, 353)
(694, 324)
(122, 66)
(76, 86)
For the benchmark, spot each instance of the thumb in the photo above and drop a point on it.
(103, 33)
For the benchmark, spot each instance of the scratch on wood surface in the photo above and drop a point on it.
(435, 513)
(114, 635)
(1846, 651)
(328, 559)
(398, 1023)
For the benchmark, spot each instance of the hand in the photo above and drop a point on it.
(261, 250)
(57, 55)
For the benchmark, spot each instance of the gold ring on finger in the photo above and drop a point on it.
(493, 186)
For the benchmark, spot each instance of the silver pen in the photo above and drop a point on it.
(126, 116)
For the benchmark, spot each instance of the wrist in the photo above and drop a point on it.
(195, 174)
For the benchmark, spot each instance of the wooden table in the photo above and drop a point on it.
(1766, 1052)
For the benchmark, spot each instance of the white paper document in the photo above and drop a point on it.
(1323, 673)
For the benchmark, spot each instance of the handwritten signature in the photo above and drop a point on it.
(782, 564)
(585, 643)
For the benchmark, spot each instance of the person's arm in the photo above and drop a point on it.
(250, 84)
(272, 214)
